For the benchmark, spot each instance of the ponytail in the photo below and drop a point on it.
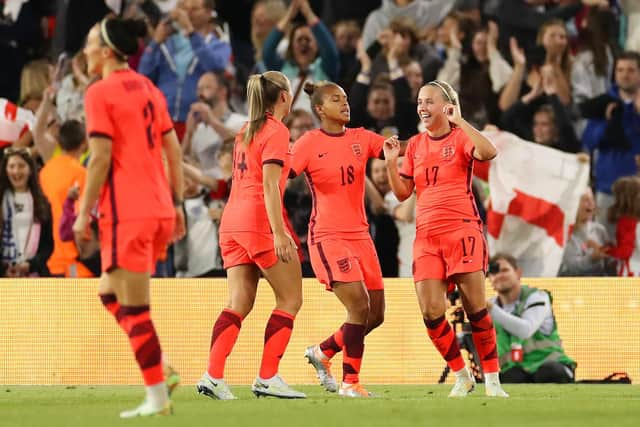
(263, 91)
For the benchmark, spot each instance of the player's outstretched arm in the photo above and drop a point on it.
(400, 186)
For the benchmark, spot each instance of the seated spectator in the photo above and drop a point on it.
(27, 240)
(183, 48)
(413, 73)
(57, 176)
(529, 346)
(625, 214)
(613, 129)
(584, 254)
(311, 55)
(210, 123)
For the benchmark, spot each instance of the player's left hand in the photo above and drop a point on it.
(453, 113)
(391, 148)
(180, 229)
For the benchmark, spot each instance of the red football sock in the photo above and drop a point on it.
(144, 342)
(484, 338)
(223, 338)
(334, 343)
(353, 351)
(445, 340)
(276, 338)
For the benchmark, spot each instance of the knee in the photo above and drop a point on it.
(289, 303)
(360, 310)
(374, 320)
(433, 311)
(243, 308)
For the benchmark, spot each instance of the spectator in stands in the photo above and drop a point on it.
(21, 40)
(70, 94)
(485, 72)
(211, 123)
(529, 346)
(35, 78)
(521, 20)
(404, 216)
(57, 176)
(614, 129)
(264, 16)
(625, 214)
(347, 34)
(182, 49)
(27, 240)
(631, 9)
(311, 55)
(382, 226)
(584, 254)
(399, 40)
(197, 254)
(413, 73)
(298, 122)
(383, 107)
(425, 13)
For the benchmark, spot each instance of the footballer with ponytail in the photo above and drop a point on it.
(254, 241)
(130, 134)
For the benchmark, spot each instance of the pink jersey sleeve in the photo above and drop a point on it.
(98, 117)
(276, 146)
(406, 171)
(300, 155)
(375, 143)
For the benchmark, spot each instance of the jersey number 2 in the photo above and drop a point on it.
(149, 117)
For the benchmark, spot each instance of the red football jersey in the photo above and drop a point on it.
(246, 210)
(128, 109)
(442, 169)
(335, 167)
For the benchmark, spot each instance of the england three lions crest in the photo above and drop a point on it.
(357, 149)
(447, 152)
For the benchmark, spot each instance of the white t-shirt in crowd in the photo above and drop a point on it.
(407, 234)
(202, 239)
(206, 142)
(22, 222)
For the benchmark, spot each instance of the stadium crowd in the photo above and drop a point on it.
(562, 73)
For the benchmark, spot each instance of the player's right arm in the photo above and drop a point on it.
(401, 185)
(173, 152)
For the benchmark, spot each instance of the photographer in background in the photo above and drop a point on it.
(529, 347)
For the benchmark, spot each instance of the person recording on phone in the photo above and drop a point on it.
(184, 46)
(529, 346)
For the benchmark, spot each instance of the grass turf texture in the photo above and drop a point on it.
(529, 405)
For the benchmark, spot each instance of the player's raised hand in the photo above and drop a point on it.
(180, 228)
(453, 113)
(391, 148)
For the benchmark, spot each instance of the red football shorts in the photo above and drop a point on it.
(134, 245)
(443, 255)
(346, 261)
(239, 248)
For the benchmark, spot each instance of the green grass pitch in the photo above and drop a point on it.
(529, 405)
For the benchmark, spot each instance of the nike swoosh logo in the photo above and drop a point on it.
(322, 154)
(263, 385)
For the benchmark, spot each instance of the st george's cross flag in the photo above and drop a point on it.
(534, 196)
(14, 122)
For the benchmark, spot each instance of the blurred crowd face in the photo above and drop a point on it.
(627, 75)
(208, 90)
(444, 30)
(305, 47)
(555, 40)
(335, 106)
(379, 175)
(199, 15)
(300, 125)
(346, 36)
(381, 104)
(260, 22)
(431, 103)
(479, 46)
(544, 128)
(413, 74)
(506, 278)
(587, 207)
(18, 172)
